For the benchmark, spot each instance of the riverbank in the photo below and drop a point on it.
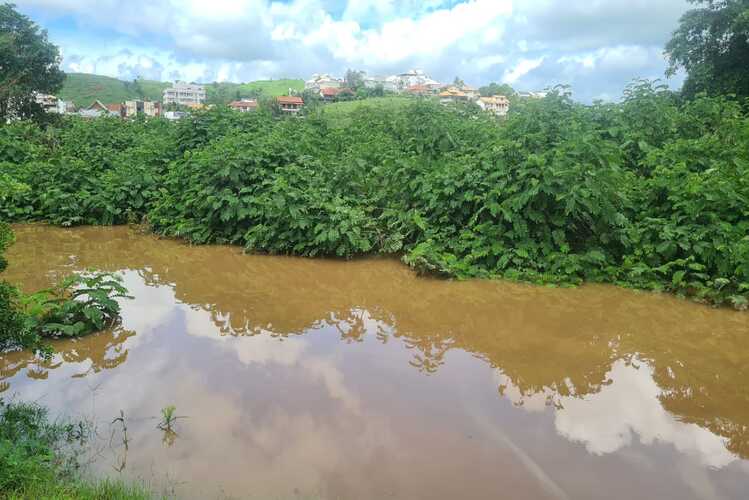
(38, 460)
(647, 193)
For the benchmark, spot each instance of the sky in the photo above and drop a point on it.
(596, 46)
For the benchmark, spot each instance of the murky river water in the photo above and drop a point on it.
(358, 380)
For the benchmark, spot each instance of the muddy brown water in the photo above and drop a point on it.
(359, 380)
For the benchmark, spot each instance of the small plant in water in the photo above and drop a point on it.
(167, 418)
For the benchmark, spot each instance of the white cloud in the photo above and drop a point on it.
(521, 69)
(532, 44)
(627, 409)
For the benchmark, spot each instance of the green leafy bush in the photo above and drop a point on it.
(81, 304)
(651, 192)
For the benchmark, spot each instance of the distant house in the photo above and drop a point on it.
(185, 94)
(372, 82)
(471, 92)
(498, 104)
(419, 90)
(174, 115)
(532, 95)
(290, 104)
(330, 94)
(322, 81)
(97, 105)
(95, 110)
(53, 104)
(403, 81)
(452, 95)
(133, 108)
(244, 105)
(98, 109)
(89, 113)
(151, 108)
(117, 109)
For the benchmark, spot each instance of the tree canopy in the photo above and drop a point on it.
(496, 89)
(354, 79)
(28, 63)
(712, 45)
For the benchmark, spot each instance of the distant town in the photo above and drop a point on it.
(181, 98)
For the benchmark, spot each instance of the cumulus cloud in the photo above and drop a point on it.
(597, 46)
(523, 67)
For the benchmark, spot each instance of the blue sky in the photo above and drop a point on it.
(597, 46)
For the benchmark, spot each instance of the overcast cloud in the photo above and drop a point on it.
(597, 46)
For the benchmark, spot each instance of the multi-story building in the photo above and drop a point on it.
(372, 82)
(133, 108)
(471, 92)
(47, 102)
(290, 104)
(452, 95)
(53, 104)
(498, 104)
(322, 81)
(151, 108)
(411, 78)
(185, 94)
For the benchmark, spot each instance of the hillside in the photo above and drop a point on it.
(83, 89)
(340, 114)
(228, 91)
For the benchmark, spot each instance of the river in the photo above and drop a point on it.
(325, 379)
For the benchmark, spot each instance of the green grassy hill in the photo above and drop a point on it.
(83, 89)
(339, 113)
(227, 91)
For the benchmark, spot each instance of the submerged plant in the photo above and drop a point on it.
(167, 417)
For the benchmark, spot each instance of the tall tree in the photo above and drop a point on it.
(354, 79)
(29, 63)
(712, 45)
(497, 89)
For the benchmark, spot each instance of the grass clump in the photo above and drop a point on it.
(38, 459)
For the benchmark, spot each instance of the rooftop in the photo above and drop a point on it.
(495, 99)
(285, 99)
(249, 103)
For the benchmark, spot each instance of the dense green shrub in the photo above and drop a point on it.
(651, 192)
(103, 172)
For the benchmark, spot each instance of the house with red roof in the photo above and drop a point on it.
(419, 90)
(332, 94)
(290, 104)
(244, 105)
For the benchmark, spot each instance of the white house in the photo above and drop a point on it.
(372, 82)
(532, 95)
(411, 78)
(53, 104)
(498, 104)
(185, 94)
(174, 115)
(323, 81)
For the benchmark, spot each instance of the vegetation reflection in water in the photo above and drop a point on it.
(597, 354)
